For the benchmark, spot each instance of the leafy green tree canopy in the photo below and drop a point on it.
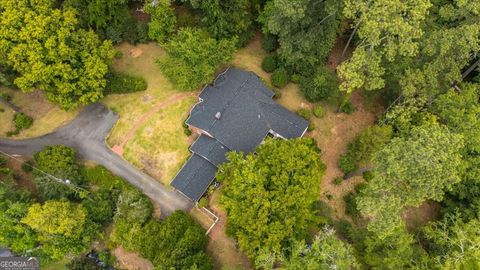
(268, 196)
(193, 56)
(300, 25)
(45, 46)
(226, 19)
(61, 162)
(162, 21)
(409, 171)
(326, 252)
(381, 39)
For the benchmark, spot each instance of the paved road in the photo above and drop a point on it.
(87, 133)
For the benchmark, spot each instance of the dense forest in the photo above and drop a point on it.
(418, 59)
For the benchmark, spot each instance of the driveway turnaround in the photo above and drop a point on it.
(87, 133)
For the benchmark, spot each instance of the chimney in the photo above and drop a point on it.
(218, 115)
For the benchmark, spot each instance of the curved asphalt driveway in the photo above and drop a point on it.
(87, 133)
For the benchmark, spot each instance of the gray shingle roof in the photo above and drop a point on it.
(247, 114)
(247, 110)
(194, 177)
(210, 149)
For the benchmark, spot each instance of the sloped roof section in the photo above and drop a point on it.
(194, 177)
(247, 112)
(210, 149)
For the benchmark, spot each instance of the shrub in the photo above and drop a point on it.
(304, 113)
(345, 230)
(360, 187)
(296, 78)
(318, 111)
(27, 166)
(2, 110)
(12, 133)
(347, 164)
(118, 54)
(351, 205)
(322, 85)
(311, 126)
(187, 132)
(280, 77)
(368, 175)
(338, 180)
(269, 42)
(347, 107)
(269, 63)
(119, 83)
(202, 202)
(22, 121)
(5, 97)
(369, 141)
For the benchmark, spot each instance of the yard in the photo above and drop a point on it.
(149, 132)
(46, 116)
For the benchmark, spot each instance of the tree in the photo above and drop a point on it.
(268, 196)
(409, 171)
(454, 244)
(299, 25)
(61, 162)
(162, 20)
(452, 34)
(56, 217)
(395, 251)
(62, 228)
(326, 252)
(369, 141)
(459, 112)
(228, 18)
(134, 207)
(13, 207)
(322, 85)
(48, 51)
(381, 40)
(111, 19)
(193, 57)
(176, 243)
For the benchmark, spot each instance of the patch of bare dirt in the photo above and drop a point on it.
(135, 52)
(131, 261)
(23, 179)
(336, 55)
(138, 13)
(342, 129)
(419, 216)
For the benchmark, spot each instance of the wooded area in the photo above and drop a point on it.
(418, 60)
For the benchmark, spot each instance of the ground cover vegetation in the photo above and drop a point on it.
(75, 204)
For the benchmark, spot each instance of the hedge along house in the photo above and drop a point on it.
(236, 113)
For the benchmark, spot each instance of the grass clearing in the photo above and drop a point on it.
(160, 147)
(46, 116)
(137, 61)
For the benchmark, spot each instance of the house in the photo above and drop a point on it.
(236, 113)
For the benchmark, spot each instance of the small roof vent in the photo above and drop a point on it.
(218, 115)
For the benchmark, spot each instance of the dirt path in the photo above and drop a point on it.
(119, 148)
(131, 261)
